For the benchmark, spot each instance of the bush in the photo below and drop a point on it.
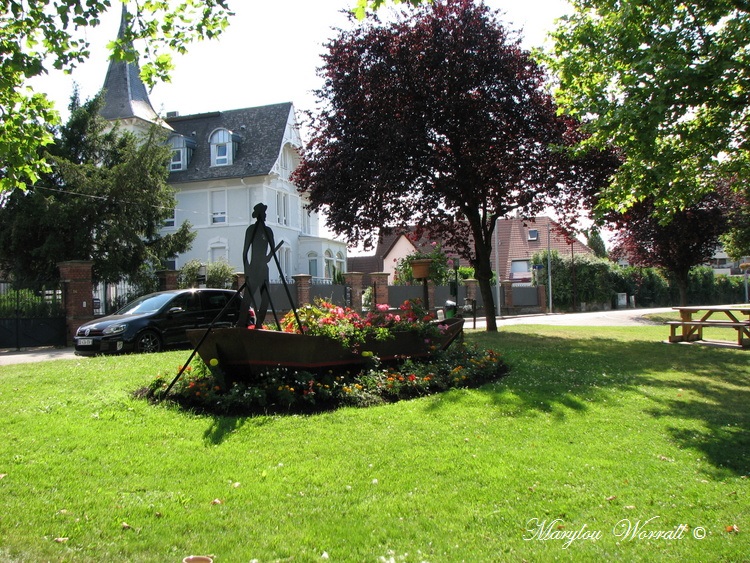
(599, 280)
(219, 274)
(648, 285)
(30, 304)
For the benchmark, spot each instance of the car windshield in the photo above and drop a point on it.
(147, 304)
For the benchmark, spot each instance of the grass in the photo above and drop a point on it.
(595, 429)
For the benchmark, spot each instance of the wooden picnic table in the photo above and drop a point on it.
(714, 316)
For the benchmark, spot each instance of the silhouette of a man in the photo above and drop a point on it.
(258, 240)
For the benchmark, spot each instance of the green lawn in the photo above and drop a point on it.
(606, 433)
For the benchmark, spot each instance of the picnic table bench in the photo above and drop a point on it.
(691, 330)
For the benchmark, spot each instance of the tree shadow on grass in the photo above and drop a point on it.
(222, 427)
(555, 375)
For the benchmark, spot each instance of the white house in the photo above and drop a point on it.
(223, 164)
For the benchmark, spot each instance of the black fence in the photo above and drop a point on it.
(31, 316)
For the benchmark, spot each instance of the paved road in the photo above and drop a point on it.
(620, 317)
(625, 317)
(28, 355)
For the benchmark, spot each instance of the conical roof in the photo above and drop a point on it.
(125, 95)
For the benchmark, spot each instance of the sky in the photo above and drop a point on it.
(269, 54)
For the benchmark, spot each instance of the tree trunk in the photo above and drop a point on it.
(483, 273)
(682, 285)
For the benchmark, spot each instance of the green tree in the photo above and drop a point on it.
(736, 240)
(43, 33)
(105, 199)
(595, 242)
(666, 82)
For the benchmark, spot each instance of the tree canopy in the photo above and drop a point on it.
(52, 33)
(689, 239)
(442, 121)
(105, 199)
(666, 82)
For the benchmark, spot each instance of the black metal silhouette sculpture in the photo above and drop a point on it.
(259, 240)
(259, 243)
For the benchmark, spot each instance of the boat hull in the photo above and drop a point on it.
(241, 352)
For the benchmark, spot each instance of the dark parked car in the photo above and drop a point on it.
(156, 321)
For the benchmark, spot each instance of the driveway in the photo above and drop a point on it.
(27, 355)
(618, 317)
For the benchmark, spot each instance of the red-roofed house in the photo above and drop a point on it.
(517, 241)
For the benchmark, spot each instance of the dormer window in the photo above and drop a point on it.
(223, 147)
(182, 152)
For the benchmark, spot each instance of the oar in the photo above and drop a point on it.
(203, 338)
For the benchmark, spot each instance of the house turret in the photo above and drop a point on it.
(126, 99)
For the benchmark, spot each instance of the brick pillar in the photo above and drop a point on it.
(507, 293)
(302, 283)
(472, 286)
(167, 279)
(354, 282)
(541, 296)
(78, 295)
(380, 282)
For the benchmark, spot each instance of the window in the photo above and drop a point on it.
(182, 152)
(282, 208)
(312, 264)
(288, 161)
(285, 255)
(305, 220)
(340, 263)
(533, 234)
(519, 270)
(177, 163)
(223, 147)
(170, 221)
(218, 249)
(218, 207)
(330, 267)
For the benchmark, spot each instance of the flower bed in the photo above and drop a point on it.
(285, 390)
(351, 329)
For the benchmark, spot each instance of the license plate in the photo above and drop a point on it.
(85, 341)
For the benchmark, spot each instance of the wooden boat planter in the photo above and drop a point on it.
(240, 352)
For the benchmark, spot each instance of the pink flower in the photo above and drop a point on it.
(382, 308)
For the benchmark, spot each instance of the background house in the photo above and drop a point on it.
(223, 164)
(517, 241)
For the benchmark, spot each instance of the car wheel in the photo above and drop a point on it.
(148, 341)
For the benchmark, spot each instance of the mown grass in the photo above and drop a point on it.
(595, 428)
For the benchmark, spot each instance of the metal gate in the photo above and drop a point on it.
(31, 317)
